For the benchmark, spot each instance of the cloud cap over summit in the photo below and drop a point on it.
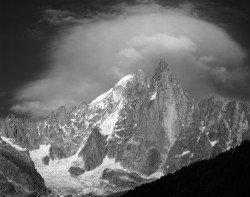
(90, 56)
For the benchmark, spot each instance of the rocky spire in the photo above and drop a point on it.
(162, 67)
(141, 77)
(60, 115)
(162, 76)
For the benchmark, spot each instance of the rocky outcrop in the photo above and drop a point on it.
(76, 171)
(17, 172)
(156, 112)
(6, 188)
(94, 150)
(46, 160)
(216, 125)
(121, 178)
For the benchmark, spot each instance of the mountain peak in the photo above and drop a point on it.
(162, 70)
(141, 73)
(123, 81)
(162, 67)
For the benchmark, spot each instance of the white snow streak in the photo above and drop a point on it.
(213, 142)
(158, 174)
(101, 97)
(153, 96)
(108, 125)
(184, 153)
(124, 80)
(10, 142)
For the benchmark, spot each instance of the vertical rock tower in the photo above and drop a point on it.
(162, 111)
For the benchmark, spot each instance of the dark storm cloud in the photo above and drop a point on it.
(90, 56)
(59, 17)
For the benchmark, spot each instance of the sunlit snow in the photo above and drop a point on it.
(124, 80)
(213, 142)
(101, 97)
(107, 126)
(184, 153)
(10, 142)
(91, 179)
(56, 174)
(153, 96)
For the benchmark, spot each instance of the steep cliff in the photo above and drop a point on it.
(18, 175)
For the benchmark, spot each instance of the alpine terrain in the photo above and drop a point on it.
(136, 132)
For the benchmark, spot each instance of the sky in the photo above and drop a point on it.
(56, 53)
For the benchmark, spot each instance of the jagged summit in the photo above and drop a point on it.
(162, 67)
(123, 81)
(162, 77)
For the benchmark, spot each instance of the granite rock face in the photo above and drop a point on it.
(121, 178)
(6, 188)
(155, 112)
(92, 154)
(76, 171)
(46, 160)
(216, 125)
(61, 130)
(18, 173)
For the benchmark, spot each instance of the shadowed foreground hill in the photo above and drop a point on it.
(226, 175)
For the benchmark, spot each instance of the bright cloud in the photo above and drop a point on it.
(89, 57)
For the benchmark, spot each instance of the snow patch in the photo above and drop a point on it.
(153, 96)
(38, 154)
(124, 80)
(11, 142)
(156, 175)
(101, 97)
(202, 129)
(117, 96)
(213, 142)
(108, 125)
(184, 153)
(56, 174)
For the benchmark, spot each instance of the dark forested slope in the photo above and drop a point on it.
(225, 175)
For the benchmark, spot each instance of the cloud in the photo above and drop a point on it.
(207, 59)
(89, 57)
(59, 17)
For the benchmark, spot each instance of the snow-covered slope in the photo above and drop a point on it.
(102, 112)
(57, 176)
(105, 109)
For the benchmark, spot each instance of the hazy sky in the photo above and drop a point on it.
(65, 53)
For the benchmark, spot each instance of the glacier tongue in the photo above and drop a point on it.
(56, 174)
